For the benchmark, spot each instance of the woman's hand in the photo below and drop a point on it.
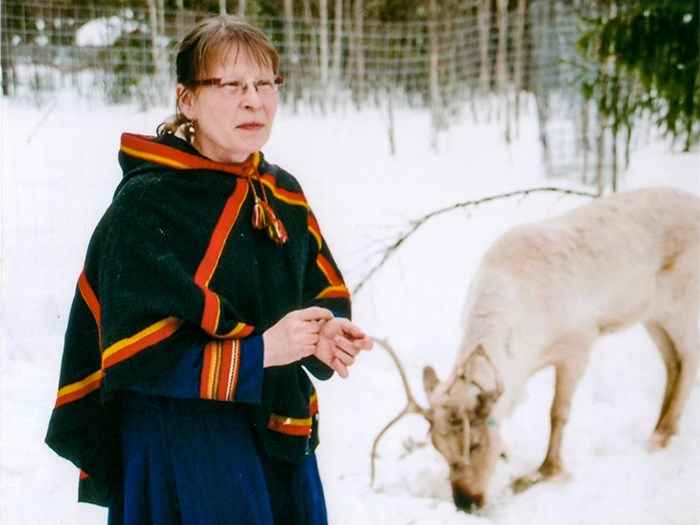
(295, 336)
(339, 343)
(335, 341)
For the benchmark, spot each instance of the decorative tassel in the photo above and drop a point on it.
(259, 218)
(277, 232)
(264, 218)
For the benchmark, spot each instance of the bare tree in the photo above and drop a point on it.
(179, 17)
(290, 45)
(323, 41)
(311, 53)
(484, 25)
(6, 55)
(337, 48)
(158, 54)
(501, 61)
(518, 62)
(434, 88)
(359, 19)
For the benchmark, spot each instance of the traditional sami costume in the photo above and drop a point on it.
(163, 402)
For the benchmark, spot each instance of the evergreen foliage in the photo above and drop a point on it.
(645, 63)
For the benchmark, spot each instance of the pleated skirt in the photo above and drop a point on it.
(195, 462)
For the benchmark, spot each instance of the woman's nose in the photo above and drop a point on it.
(251, 98)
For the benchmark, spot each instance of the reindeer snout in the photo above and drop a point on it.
(464, 501)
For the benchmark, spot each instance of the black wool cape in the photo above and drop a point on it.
(175, 259)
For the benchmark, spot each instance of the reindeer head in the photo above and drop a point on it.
(462, 430)
(461, 426)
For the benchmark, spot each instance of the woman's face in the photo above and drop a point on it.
(229, 128)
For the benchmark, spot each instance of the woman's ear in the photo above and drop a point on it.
(185, 101)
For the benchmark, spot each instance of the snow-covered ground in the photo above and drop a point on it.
(59, 170)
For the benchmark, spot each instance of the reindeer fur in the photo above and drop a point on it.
(542, 295)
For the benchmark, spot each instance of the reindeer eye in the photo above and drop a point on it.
(474, 447)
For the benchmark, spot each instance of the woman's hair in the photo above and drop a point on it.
(211, 39)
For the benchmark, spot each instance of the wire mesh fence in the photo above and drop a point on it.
(464, 59)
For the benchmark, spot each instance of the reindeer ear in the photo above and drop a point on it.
(430, 379)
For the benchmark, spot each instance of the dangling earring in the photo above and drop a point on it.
(191, 130)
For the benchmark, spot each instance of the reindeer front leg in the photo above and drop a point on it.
(569, 369)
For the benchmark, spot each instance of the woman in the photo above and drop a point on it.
(207, 292)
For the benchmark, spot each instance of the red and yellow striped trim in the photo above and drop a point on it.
(92, 302)
(147, 337)
(295, 426)
(328, 270)
(220, 370)
(334, 292)
(210, 261)
(79, 389)
(314, 229)
(117, 353)
(90, 298)
(146, 148)
(337, 287)
(290, 197)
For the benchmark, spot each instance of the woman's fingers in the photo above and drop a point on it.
(314, 313)
(335, 341)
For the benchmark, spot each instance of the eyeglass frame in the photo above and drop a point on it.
(217, 81)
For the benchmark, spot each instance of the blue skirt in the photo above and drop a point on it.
(195, 462)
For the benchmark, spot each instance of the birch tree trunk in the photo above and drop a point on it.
(358, 17)
(7, 58)
(309, 54)
(291, 48)
(434, 78)
(160, 76)
(323, 53)
(501, 62)
(323, 40)
(337, 49)
(519, 66)
(484, 25)
(600, 154)
(585, 142)
(241, 8)
(222, 7)
(351, 39)
(180, 18)
(161, 17)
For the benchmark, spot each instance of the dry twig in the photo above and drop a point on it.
(414, 225)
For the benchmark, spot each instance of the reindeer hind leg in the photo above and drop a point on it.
(679, 345)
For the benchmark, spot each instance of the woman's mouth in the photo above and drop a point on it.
(251, 126)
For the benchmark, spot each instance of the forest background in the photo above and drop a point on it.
(594, 71)
(596, 79)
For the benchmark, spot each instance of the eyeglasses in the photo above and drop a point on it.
(237, 87)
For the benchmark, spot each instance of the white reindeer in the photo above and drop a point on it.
(542, 295)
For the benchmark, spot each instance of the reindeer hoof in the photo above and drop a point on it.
(547, 473)
(658, 441)
(523, 483)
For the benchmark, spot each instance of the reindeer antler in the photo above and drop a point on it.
(412, 407)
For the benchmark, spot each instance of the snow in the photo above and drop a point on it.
(59, 170)
(103, 32)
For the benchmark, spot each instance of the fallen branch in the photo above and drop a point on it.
(414, 225)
